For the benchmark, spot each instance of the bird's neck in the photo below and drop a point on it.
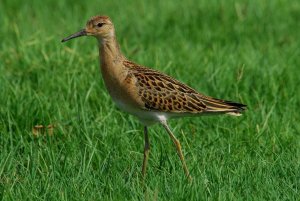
(109, 51)
(111, 59)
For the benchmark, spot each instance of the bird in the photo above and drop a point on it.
(153, 97)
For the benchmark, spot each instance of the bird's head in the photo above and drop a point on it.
(100, 27)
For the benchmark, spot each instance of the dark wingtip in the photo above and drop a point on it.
(238, 106)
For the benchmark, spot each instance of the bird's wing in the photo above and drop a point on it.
(164, 93)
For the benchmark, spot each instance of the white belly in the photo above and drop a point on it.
(146, 117)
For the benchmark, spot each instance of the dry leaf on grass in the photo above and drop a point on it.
(39, 130)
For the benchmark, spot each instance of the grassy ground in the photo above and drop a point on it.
(246, 51)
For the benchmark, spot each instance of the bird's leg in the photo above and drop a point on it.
(178, 148)
(146, 151)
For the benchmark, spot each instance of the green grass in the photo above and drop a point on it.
(246, 51)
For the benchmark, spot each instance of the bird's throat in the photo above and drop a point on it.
(111, 60)
(109, 50)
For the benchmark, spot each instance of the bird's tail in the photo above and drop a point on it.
(214, 105)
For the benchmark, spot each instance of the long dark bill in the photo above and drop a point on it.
(75, 35)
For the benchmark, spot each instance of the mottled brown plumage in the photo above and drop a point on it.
(163, 93)
(150, 95)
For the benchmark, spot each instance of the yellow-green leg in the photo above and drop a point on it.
(178, 148)
(146, 151)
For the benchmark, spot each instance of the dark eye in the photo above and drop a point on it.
(100, 24)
